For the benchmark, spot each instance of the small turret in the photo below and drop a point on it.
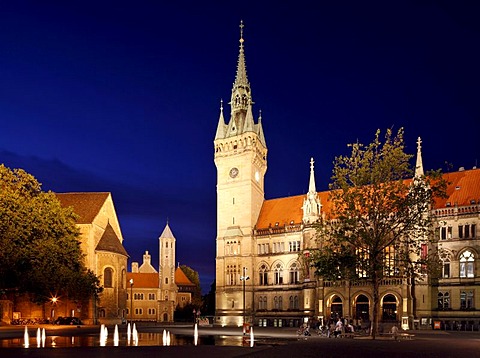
(311, 204)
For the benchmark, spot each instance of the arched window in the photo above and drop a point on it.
(389, 308)
(108, 277)
(467, 260)
(443, 300)
(278, 272)
(294, 273)
(263, 275)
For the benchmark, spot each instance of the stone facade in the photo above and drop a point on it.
(261, 276)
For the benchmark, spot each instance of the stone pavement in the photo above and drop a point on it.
(274, 342)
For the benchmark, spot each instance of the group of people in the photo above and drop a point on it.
(336, 328)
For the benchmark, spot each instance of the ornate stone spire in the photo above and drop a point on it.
(241, 92)
(419, 165)
(221, 125)
(260, 130)
(311, 204)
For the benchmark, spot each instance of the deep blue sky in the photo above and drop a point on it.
(124, 96)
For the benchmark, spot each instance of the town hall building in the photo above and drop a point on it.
(261, 276)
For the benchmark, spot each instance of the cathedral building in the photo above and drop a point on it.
(102, 243)
(261, 245)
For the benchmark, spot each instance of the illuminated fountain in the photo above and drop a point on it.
(39, 338)
(164, 338)
(135, 335)
(115, 336)
(44, 337)
(195, 335)
(103, 335)
(168, 338)
(129, 333)
(251, 337)
(26, 338)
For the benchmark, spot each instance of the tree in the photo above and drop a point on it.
(379, 223)
(208, 306)
(40, 252)
(195, 279)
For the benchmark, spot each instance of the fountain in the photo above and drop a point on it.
(168, 338)
(164, 338)
(129, 333)
(135, 335)
(39, 338)
(195, 335)
(26, 338)
(44, 337)
(103, 335)
(251, 337)
(115, 336)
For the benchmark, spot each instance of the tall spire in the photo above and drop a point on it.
(419, 165)
(241, 93)
(311, 204)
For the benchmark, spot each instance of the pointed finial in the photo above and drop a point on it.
(241, 31)
(260, 114)
(311, 163)
(419, 144)
(221, 104)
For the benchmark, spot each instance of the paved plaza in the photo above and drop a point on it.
(269, 342)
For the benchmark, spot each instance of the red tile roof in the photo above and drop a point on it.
(181, 279)
(85, 205)
(143, 280)
(463, 187)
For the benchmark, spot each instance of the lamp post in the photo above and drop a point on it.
(244, 278)
(131, 300)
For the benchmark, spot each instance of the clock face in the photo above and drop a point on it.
(233, 172)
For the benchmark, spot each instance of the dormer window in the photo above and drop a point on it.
(448, 204)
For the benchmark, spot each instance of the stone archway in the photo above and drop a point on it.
(165, 317)
(389, 308)
(362, 308)
(336, 307)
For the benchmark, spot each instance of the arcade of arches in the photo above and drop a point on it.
(361, 308)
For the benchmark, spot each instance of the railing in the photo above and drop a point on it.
(275, 230)
(392, 281)
(457, 210)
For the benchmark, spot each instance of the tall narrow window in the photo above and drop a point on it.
(108, 277)
(278, 274)
(467, 260)
(263, 275)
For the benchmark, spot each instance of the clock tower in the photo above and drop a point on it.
(241, 161)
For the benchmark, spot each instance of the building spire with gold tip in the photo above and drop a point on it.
(221, 124)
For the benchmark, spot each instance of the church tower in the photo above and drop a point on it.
(241, 161)
(166, 273)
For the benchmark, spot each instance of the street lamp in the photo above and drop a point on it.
(131, 300)
(244, 278)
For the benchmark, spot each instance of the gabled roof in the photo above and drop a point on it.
(181, 279)
(143, 280)
(85, 205)
(110, 242)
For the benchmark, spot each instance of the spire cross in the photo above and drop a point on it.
(221, 104)
(311, 164)
(419, 143)
(241, 29)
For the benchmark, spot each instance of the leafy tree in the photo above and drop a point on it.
(379, 221)
(40, 253)
(195, 279)
(208, 305)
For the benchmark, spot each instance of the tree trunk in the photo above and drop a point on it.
(376, 304)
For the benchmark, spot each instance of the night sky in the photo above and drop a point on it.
(124, 97)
